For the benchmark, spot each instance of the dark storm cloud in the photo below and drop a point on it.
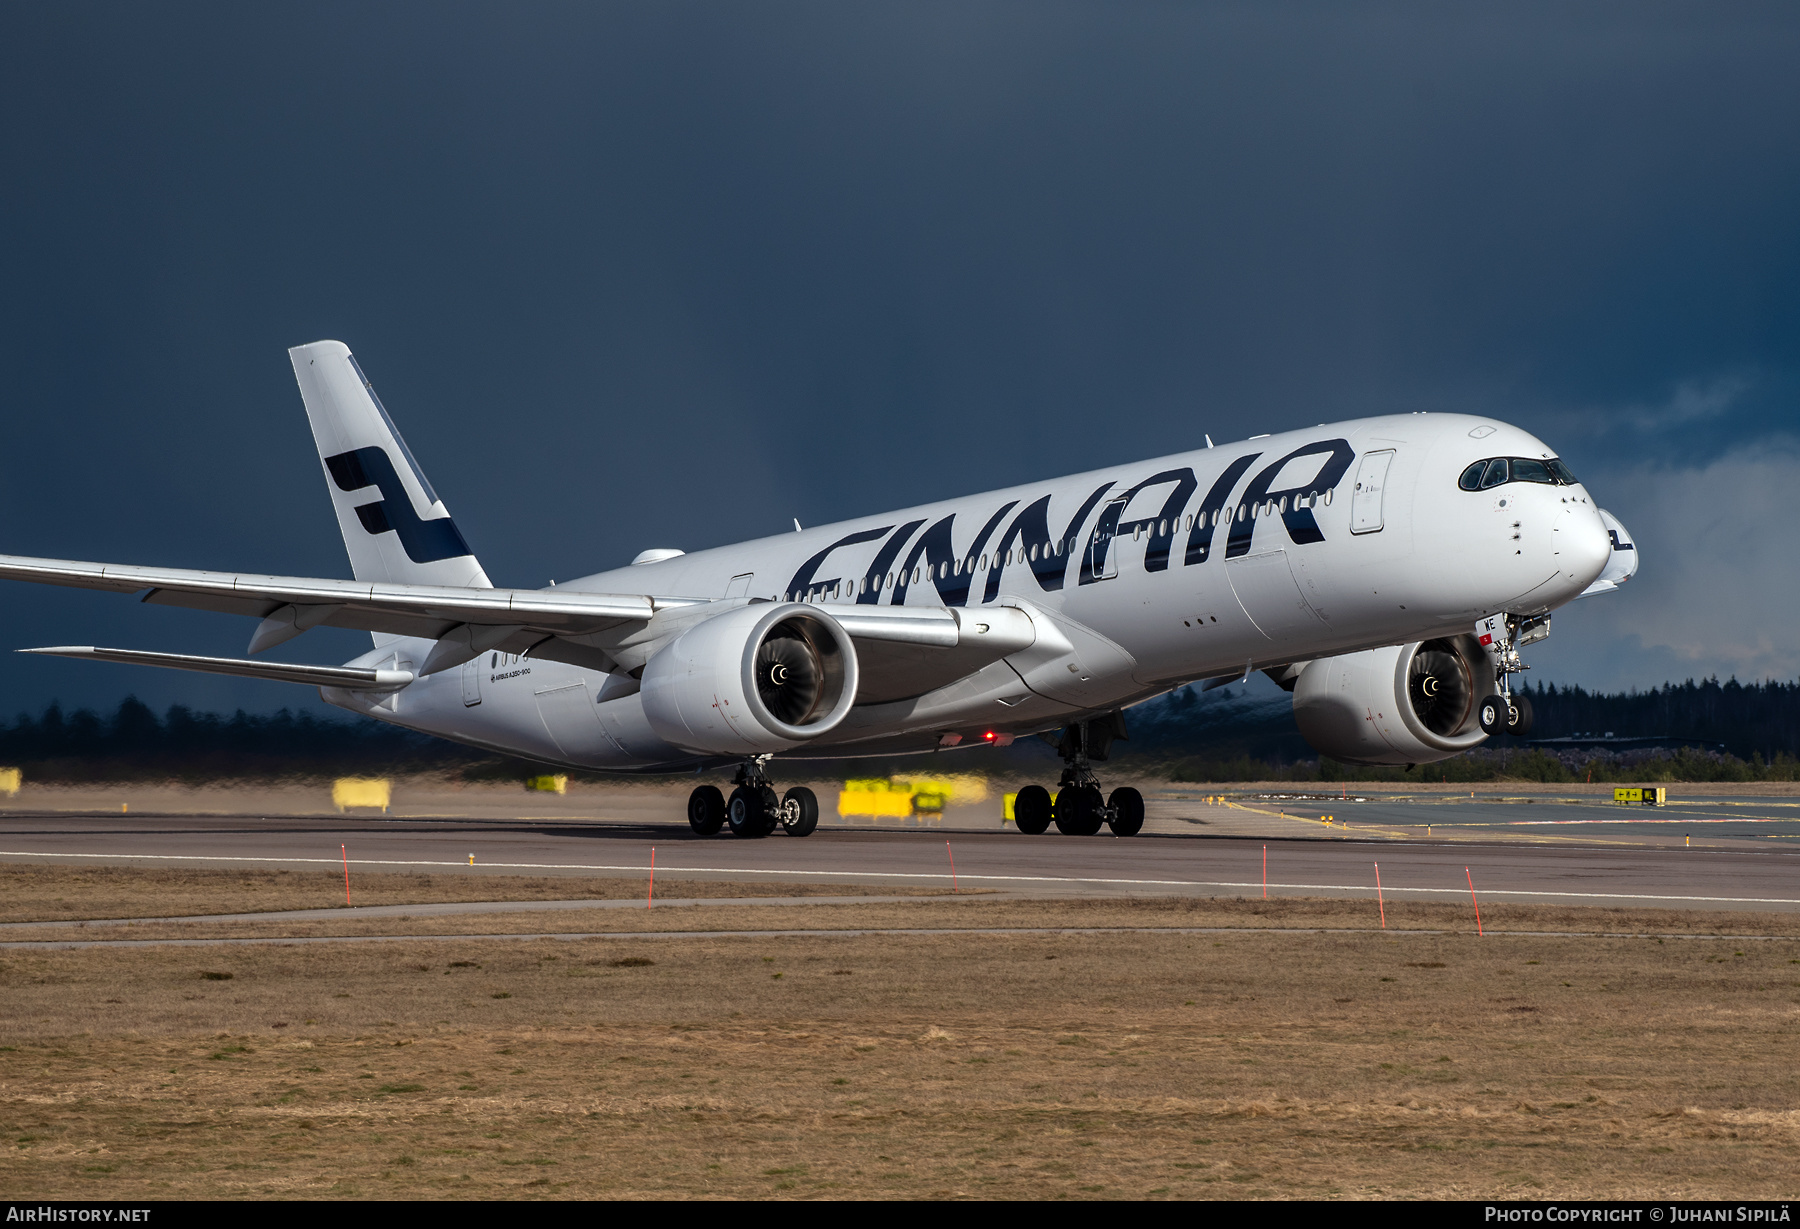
(674, 274)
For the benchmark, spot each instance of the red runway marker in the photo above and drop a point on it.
(1472, 899)
(651, 897)
(1265, 872)
(952, 854)
(343, 849)
(1378, 899)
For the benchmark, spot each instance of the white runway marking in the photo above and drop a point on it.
(1364, 889)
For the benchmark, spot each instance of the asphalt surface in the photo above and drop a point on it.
(1178, 854)
(1743, 820)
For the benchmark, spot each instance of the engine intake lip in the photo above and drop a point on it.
(825, 645)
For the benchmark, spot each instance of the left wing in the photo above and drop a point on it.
(288, 605)
(906, 651)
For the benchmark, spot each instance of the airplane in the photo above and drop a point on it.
(1386, 571)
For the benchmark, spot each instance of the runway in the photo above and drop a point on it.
(1169, 861)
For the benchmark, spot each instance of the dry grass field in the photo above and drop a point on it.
(36, 893)
(1256, 1061)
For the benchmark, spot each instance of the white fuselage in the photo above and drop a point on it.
(1138, 577)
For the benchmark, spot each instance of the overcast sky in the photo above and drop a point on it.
(673, 274)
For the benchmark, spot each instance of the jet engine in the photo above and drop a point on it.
(758, 679)
(1407, 704)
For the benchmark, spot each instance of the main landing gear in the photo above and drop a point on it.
(1504, 712)
(1079, 808)
(753, 809)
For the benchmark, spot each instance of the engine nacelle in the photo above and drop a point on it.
(1408, 704)
(758, 679)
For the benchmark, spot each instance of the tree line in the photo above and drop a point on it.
(1699, 730)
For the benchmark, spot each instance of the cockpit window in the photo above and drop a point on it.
(1496, 471)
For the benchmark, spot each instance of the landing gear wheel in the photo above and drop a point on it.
(1520, 724)
(1493, 713)
(1127, 806)
(800, 811)
(751, 811)
(1078, 811)
(1031, 810)
(706, 810)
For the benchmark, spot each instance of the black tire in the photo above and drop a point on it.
(803, 806)
(1031, 810)
(1078, 811)
(1493, 715)
(1128, 811)
(1520, 725)
(750, 811)
(706, 810)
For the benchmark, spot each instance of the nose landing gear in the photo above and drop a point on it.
(754, 809)
(1080, 809)
(1504, 712)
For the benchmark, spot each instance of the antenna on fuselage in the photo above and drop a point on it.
(797, 528)
(1209, 442)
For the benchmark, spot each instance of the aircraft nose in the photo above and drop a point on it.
(1584, 547)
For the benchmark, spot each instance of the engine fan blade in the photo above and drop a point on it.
(788, 678)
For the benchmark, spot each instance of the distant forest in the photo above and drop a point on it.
(135, 744)
(1707, 730)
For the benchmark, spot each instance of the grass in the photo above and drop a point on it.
(1136, 1064)
(53, 893)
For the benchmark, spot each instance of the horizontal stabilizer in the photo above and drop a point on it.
(351, 678)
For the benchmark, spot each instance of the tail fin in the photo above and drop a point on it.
(394, 525)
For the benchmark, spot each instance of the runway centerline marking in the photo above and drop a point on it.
(943, 877)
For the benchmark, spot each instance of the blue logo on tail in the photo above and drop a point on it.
(425, 541)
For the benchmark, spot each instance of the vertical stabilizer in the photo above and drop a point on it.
(394, 525)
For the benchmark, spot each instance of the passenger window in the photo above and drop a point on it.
(1496, 473)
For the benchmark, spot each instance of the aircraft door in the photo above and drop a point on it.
(1371, 482)
(1102, 562)
(471, 682)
